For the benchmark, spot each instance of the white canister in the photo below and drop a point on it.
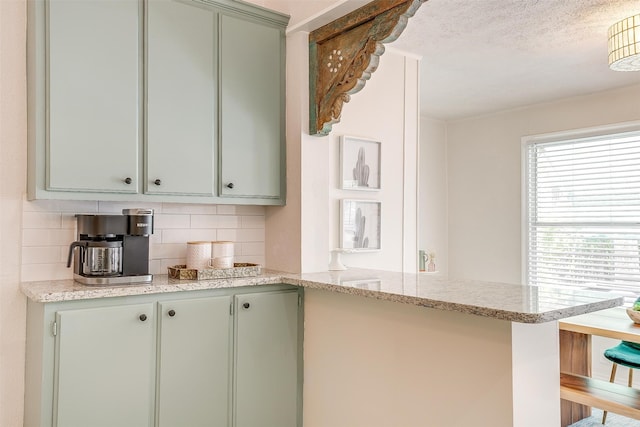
(222, 254)
(198, 255)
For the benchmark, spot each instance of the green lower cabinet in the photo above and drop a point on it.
(105, 359)
(194, 362)
(266, 357)
(214, 358)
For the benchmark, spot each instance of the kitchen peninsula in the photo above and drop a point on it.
(452, 353)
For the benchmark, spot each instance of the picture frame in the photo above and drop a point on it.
(360, 164)
(360, 224)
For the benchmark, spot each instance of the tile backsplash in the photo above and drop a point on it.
(49, 226)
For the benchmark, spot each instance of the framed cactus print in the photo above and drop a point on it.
(359, 163)
(360, 225)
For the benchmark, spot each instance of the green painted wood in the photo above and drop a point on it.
(104, 152)
(194, 362)
(181, 98)
(105, 367)
(93, 95)
(251, 108)
(266, 360)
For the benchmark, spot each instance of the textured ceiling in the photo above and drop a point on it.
(482, 56)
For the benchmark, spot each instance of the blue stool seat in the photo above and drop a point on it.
(626, 354)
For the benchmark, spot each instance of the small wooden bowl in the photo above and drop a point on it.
(634, 315)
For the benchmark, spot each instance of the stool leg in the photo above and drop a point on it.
(611, 379)
(630, 377)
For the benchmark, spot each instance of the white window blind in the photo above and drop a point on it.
(583, 213)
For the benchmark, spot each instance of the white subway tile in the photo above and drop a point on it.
(38, 272)
(204, 221)
(50, 226)
(57, 237)
(175, 235)
(75, 206)
(163, 221)
(44, 254)
(156, 237)
(117, 207)
(187, 208)
(155, 267)
(253, 221)
(69, 220)
(226, 209)
(169, 250)
(228, 234)
(250, 210)
(170, 262)
(198, 234)
(228, 221)
(41, 220)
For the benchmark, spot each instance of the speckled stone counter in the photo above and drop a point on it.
(522, 304)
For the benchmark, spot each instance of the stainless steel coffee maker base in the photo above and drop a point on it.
(113, 280)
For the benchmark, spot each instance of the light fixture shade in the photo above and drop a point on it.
(624, 44)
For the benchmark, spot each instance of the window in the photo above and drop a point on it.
(582, 210)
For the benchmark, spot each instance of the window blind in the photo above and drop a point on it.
(583, 213)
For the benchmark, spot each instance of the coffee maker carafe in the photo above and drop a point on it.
(112, 249)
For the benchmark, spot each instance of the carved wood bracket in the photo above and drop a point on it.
(344, 53)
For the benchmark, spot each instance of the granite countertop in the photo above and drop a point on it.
(523, 304)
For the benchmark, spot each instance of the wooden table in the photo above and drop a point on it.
(578, 390)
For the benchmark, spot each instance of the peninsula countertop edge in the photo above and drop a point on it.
(511, 302)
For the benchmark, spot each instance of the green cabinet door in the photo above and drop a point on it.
(266, 360)
(194, 362)
(93, 95)
(181, 98)
(105, 367)
(251, 108)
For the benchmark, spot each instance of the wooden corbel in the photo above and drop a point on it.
(344, 53)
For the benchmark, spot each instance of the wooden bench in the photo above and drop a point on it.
(604, 395)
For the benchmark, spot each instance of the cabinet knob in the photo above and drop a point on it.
(171, 313)
(230, 185)
(143, 317)
(157, 182)
(128, 180)
(246, 305)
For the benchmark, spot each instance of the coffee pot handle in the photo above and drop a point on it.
(74, 245)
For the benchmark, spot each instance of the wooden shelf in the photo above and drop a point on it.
(604, 395)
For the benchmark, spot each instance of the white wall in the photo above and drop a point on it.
(385, 110)
(484, 182)
(13, 154)
(432, 183)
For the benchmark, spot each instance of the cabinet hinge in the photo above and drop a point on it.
(231, 309)
(299, 300)
(54, 328)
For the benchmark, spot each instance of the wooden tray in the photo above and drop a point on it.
(240, 269)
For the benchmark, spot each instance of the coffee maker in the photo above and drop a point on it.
(112, 249)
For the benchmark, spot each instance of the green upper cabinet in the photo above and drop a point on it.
(181, 98)
(251, 108)
(94, 89)
(156, 100)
